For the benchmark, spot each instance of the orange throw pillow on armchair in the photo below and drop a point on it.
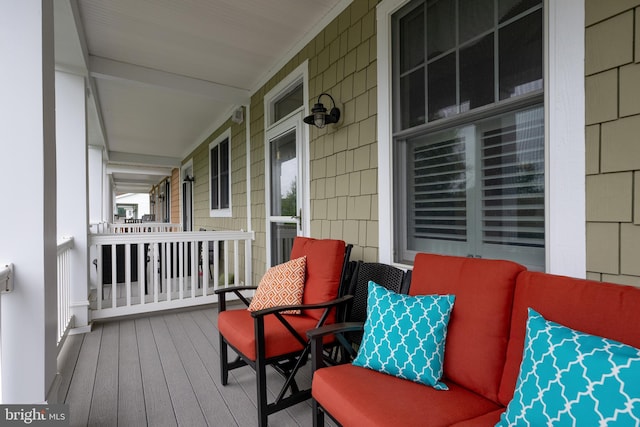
(282, 284)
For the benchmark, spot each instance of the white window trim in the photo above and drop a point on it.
(565, 217)
(226, 212)
(300, 73)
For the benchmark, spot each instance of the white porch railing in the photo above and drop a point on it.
(65, 318)
(144, 227)
(143, 272)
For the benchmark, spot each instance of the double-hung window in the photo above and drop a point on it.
(468, 130)
(220, 176)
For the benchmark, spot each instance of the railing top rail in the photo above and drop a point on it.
(179, 236)
(64, 244)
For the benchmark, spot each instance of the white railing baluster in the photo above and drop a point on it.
(114, 276)
(127, 272)
(141, 273)
(65, 320)
(216, 264)
(204, 262)
(236, 262)
(155, 271)
(100, 284)
(194, 268)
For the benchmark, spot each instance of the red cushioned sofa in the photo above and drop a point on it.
(484, 343)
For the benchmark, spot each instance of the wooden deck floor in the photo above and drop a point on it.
(162, 370)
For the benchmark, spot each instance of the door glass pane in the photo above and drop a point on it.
(441, 31)
(412, 89)
(476, 74)
(291, 101)
(521, 56)
(282, 236)
(412, 39)
(284, 175)
(442, 88)
(476, 17)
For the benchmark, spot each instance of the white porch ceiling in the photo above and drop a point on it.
(165, 73)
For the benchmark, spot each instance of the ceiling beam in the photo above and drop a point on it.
(103, 68)
(143, 159)
(138, 170)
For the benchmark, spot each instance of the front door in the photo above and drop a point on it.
(285, 187)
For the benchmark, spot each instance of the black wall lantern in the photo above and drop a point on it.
(319, 116)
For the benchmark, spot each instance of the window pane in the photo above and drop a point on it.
(291, 101)
(513, 180)
(224, 174)
(412, 98)
(521, 56)
(441, 29)
(282, 236)
(437, 182)
(214, 164)
(476, 17)
(476, 74)
(442, 88)
(412, 40)
(508, 9)
(284, 175)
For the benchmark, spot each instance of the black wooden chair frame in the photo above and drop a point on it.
(340, 331)
(287, 365)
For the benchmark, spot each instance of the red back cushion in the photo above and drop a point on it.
(603, 309)
(476, 344)
(325, 258)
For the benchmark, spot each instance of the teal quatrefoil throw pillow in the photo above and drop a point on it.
(570, 378)
(405, 335)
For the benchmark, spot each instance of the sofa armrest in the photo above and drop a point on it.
(317, 335)
(222, 295)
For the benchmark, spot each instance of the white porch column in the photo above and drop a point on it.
(96, 175)
(73, 204)
(28, 191)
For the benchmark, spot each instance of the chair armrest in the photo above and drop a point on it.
(234, 289)
(280, 308)
(335, 328)
(316, 339)
(222, 295)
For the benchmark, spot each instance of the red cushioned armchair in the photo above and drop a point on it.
(267, 337)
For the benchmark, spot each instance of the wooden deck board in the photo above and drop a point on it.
(130, 390)
(158, 407)
(104, 404)
(163, 370)
(81, 387)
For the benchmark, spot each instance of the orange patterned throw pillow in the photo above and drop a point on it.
(282, 284)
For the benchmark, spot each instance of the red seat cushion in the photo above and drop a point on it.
(361, 397)
(603, 309)
(325, 258)
(237, 327)
(476, 343)
(486, 420)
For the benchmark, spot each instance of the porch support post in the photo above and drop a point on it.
(96, 186)
(28, 191)
(73, 203)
